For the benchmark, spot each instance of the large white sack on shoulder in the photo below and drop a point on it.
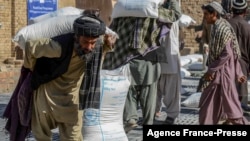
(186, 21)
(106, 123)
(192, 101)
(45, 29)
(112, 33)
(136, 8)
(49, 28)
(60, 12)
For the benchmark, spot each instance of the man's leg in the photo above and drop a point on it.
(171, 97)
(158, 99)
(130, 116)
(41, 121)
(71, 132)
(148, 102)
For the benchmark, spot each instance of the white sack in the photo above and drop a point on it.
(184, 61)
(192, 58)
(49, 28)
(196, 57)
(192, 101)
(185, 73)
(45, 29)
(106, 123)
(186, 21)
(196, 66)
(136, 8)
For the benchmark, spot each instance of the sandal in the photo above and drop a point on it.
(227, 122)
(231, 122)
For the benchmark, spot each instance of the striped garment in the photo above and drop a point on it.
(137, 37)
(221, 33)
(90, 87)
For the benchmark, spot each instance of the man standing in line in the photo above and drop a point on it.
(242, 30)
(145, 71)
(219, 100)
(169, 83)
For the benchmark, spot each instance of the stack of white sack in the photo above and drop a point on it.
(185, 73)
(136, 8)
(47, 28)
(190, 59)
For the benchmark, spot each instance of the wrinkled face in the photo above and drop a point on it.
(87, 44)
(210, 18)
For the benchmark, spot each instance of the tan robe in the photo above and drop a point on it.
(56, 102)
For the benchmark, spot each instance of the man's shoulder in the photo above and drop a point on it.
(239, 23)
(64, 36)
(232, 20)
(64, 39)
(238, 19)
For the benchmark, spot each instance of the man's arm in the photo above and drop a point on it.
(174, 5)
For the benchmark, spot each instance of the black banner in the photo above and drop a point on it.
(161, 132)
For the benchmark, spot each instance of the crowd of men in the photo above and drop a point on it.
(56, 69)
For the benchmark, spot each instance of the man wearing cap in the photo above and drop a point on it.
(219, 99)
(58, 66)
(242, 30)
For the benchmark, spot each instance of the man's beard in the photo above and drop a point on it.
(88, 57)
(84, 56)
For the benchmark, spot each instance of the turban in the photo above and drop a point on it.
(239, 4)
(89, 26)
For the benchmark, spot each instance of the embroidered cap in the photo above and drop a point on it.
(217, 6)
(239, 4)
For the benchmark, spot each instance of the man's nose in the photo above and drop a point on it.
(87, 47)
(90, 46)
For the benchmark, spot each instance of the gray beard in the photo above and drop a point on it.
(87, 57)
(84, 56)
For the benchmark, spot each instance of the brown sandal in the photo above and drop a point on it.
(227, 122)
(231, 122)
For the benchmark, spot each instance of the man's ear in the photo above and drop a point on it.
(215, 15)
